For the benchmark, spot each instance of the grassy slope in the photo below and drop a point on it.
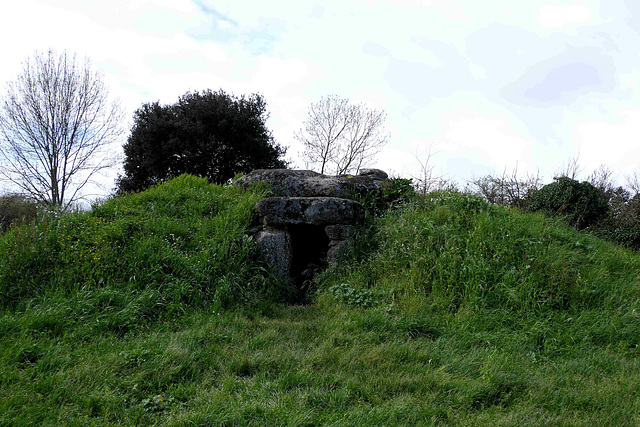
(147, 311)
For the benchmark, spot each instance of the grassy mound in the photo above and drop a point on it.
(459, 258)
(152, 310)
(459, 253)
(176, 247)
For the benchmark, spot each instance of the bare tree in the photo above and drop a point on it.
(603, 179)
(633, 181)
(56, 125)
(340, 137)
(571, 169)
(507, 189)
(427, 181)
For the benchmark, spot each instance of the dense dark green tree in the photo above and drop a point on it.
(208, 134)
(578, 202)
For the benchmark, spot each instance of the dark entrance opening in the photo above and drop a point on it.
(309, 244)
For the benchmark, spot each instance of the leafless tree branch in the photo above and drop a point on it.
(340, 137)
(572, 168)
(507, 189)
(56, 127)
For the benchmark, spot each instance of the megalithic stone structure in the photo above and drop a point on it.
(310, 222)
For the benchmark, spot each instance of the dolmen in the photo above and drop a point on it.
(311, 220)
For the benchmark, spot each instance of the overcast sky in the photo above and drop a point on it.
(485, 85)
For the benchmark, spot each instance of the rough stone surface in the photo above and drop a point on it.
(337, 249)
(339, 231)
(374, 173)
(275, 245)
(310, 218)
(283, 211)
(305, 183)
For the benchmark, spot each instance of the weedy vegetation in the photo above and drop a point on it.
(155, 309)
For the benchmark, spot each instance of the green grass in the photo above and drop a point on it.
(153, 309)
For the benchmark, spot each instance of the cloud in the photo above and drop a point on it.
(489, 138)
(437, 71)
(563, 79)
(612, 142)
(633, 14)
(557, 16)
(450, 9)
(506, 51)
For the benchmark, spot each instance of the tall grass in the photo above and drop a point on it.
(459, 257)
(460, 251)
(153, 310)
(178, 246)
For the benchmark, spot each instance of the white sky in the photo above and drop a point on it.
(485, 85)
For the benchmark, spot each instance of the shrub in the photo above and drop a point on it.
(579, 203)
(507, 190)
(378, 202)
(623, 223)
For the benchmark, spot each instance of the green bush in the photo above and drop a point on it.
(579, 203)
(378, 202)
(622, 226)
(16, 209)
(210, 134)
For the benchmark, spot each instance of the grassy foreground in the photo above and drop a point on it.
(153, 310)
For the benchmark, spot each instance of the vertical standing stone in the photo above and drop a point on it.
(337, 249)
(340, 236)
(275, 245)
(339, 231)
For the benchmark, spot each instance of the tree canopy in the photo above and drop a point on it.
(578, 202)
(209, 134)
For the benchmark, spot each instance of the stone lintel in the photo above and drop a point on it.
(283, 211)
(305, 183)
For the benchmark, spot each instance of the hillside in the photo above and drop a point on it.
(154, 309)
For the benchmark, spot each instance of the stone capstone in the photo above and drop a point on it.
(373, 173)
(310, 222)
(305, 183)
